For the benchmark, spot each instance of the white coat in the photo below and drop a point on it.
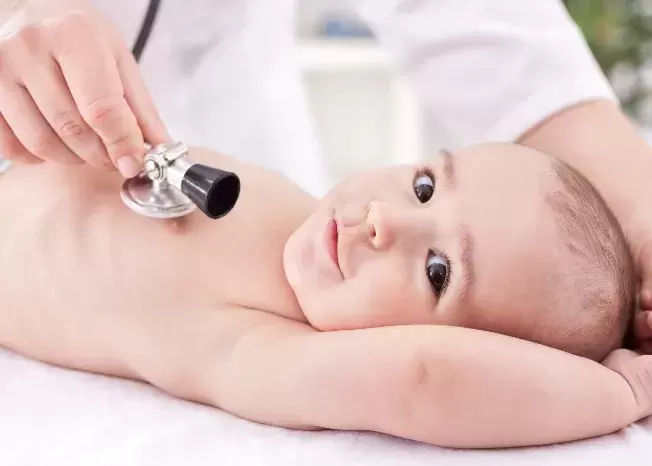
(225, 74)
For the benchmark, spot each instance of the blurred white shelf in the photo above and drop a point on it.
(338, 55)
(366, 113)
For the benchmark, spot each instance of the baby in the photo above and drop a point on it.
(496, 238)
(358, 311)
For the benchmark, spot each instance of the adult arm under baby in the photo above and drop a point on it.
(443, 385)
(596, 138)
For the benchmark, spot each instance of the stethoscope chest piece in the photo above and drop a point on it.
(173, 186)
(155, 199)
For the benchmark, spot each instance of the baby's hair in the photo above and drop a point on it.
(601, 277)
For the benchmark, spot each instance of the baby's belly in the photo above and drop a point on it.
(65, 286)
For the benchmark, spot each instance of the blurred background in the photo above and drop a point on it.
(619, 33)
(367, 114)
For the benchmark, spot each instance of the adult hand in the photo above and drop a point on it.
(70, 89)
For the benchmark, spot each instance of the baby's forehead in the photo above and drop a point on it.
(515, 232)
(518, 271)
(506, 165)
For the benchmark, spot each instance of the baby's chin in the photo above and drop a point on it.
(290, 262)
(292, 250)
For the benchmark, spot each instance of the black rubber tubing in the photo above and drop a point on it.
(146, 29)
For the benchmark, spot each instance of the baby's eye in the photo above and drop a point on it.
(437, 269)
(424, 185)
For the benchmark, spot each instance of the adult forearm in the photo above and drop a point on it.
(479, 389)
(597, 139)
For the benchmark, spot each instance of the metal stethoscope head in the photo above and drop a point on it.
(172, 186)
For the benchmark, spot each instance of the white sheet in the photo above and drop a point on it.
(53, 416)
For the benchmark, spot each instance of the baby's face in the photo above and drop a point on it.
(385, 248)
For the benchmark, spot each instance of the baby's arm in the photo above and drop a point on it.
(443, 385)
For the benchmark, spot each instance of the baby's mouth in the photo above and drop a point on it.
(332, 236)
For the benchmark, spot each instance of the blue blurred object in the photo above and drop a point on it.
(343, 26)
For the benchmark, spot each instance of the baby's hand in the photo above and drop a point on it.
(636, 369)
(643, 324)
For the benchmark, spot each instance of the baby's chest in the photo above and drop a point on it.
(232, 261)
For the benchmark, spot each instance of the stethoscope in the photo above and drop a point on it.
(171, 184)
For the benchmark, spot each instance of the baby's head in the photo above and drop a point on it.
(495, 237)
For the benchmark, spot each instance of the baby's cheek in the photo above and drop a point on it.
(353, 305)
(332, 307)
(371, 299)
(393, 301)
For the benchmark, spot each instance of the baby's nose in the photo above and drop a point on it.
(385, 223)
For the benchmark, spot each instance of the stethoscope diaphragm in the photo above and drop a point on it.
(173, 186)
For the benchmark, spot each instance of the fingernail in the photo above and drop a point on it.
(128, 166)
(646, 296)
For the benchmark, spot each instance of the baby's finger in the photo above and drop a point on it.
(643, 325)
(617, 359)
(645, 298)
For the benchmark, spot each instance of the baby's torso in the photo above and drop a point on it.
(72, 251)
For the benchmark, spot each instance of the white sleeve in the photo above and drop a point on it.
(488, 69)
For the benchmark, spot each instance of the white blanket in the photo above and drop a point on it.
(53, 416)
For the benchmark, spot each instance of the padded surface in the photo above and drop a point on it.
(55, 416)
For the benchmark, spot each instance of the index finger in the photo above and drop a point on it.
(139, 99)
(91, 72)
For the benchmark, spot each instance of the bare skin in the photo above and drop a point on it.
(187, 263)
(616, 160)
(72, 93)
(203, 309)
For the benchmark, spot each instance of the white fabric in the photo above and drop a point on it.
(488, 70)
(52, 416)
(225, 74)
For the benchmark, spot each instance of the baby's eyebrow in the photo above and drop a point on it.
(466, 258)
(449, 167)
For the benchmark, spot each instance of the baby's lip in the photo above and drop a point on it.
(332, 235)
(332, 242)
